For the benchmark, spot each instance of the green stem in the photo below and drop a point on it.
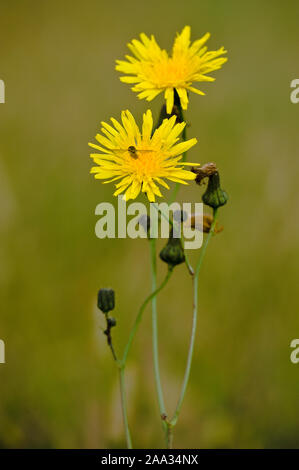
(121, 364)
(187, 262)
(169, 436)
(204, 248)
(139, 317)
(155, 333)
(124, 406)
(194, 324)
(121, 371)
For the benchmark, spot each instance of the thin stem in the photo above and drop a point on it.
(155, 330)
(139, 316)
(121, 371)
(204, 248)
(124, 406)
(187, 262)
(194, 323)
(169, 436)
(121, 364)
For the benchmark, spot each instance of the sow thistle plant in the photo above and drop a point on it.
(145, 160)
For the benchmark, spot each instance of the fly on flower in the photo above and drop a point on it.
(153, 71)
(141, 160)
(133, 152)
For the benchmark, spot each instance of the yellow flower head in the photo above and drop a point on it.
(141, 160)
(153, 71)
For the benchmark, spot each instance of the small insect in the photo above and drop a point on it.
(132, 151)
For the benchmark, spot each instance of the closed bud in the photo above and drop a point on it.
(214, 196)
(106, 300)
(173, 252)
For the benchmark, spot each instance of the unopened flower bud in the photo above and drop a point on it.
(173, 252)
(214, 196)
(106, 300)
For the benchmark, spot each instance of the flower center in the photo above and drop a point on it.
(170, 72)
(145, 163)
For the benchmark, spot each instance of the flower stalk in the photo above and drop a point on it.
(155, 346)
(175, 417)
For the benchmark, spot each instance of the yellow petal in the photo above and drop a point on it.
(182, 147)
(147, 126)
(169, 96)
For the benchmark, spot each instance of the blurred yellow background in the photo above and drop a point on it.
(59, 385)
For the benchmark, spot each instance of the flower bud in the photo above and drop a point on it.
(106, 300)
(173, 252)
(214, 196)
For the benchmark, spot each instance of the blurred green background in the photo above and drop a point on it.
(59, 385)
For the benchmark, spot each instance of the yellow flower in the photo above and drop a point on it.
(153, 71)
(141, 160)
